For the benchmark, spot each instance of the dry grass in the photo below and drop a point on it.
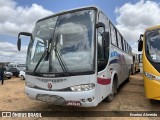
(130, 98)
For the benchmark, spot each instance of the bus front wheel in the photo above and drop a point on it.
(153, 101)
(110, 97)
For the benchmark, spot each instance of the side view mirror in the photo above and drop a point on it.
(19, 44)
(19, 39)
(105, 38)
(140, 43)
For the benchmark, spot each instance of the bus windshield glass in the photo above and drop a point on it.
(71, 35)
(153, 45)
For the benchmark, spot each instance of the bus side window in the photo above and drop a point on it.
(101, 52)
(122, 44)
(39, 51)
(119, 40)
(113, 35)
(100, 44)
(126, 47)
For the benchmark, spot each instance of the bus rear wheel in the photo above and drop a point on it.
(110, 97)
(128, 79)
(153, 101)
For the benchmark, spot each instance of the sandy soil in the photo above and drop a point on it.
(130, 97)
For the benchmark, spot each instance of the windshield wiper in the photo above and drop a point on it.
(43, 55)
(47, 51)
(59, 56)
(60, 59)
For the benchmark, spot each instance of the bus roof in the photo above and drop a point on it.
(67, 11)
(153, 27)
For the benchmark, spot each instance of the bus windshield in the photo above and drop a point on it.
(72, 35)
(153, 45)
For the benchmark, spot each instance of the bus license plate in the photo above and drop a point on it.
(73, 103)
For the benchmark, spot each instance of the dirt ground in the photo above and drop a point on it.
(130, 97)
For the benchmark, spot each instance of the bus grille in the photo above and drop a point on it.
(57, 100)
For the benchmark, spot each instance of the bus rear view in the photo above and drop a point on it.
(151, 62)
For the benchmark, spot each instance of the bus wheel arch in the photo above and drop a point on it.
(114, 85)
(115, 81)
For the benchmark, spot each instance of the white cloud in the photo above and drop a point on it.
(133, 19)
(9, 53)
(14, 19)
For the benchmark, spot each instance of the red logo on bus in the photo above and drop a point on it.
(49, 85)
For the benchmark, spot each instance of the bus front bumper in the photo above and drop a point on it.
(79, 99)
(152, 89)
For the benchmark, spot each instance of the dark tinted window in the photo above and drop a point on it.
(122, 41)
(13, 70)
(126, 47)
(119, 40)
(113, 35)
(100, 44)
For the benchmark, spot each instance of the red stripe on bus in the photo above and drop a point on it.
(103, 81)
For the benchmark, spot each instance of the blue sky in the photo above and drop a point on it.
(58, 5)
(131, 17)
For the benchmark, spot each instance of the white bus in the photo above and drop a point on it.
(76, 58)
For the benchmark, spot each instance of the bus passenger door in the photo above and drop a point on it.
(103, 56)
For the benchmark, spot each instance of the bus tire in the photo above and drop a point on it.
(128, 79)
(110, 97)
(153, 101)
(132, 70)
(22, 77)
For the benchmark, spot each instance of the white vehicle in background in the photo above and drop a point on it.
(8, 75)
(22, 74)
(16, 65)
(76, 58)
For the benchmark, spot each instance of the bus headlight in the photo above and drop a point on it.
(151, 76)
(85, 87)
(28, 84)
